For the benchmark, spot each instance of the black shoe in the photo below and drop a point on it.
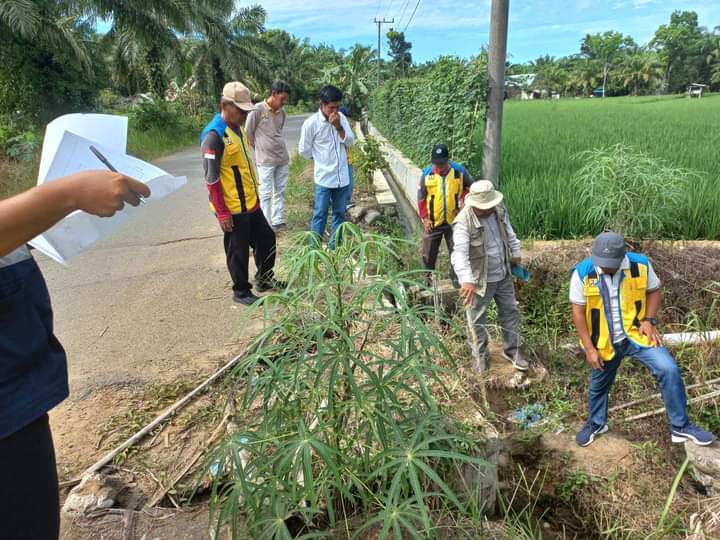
(246, 298)
(267, 284)
(455, 283)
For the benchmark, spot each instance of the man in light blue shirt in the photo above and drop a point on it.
(325, 138)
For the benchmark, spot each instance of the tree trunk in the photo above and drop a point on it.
(218, 75)
(605, 73)
(156, 75)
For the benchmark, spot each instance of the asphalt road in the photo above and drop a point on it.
(148, 302)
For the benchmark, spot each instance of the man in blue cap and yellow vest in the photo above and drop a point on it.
(232, 182)
(615, 300)
(443, 185)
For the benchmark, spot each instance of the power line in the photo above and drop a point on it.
(389, 7)
(411, 16)
(402, 13)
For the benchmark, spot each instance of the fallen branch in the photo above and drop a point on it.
(168, 412)
(697, 399)
(69, 483)
(163, 488)
(654, 396)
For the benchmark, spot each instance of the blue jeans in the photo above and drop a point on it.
(324, 197)
(659, 361)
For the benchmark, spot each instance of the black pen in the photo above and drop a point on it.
(105, 162)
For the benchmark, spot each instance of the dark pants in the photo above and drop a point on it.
(250, 230)
(431, 246)
(29, 502)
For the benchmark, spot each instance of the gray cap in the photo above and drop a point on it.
(608, 250)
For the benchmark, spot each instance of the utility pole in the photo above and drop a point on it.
(497, 55)
(380, 23)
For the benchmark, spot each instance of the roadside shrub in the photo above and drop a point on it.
(444, 104)
(19, 140)
(631, 192)
(157, 113)
(368, 157)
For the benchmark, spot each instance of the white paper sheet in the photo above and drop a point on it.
(107, 130)
(80, 230)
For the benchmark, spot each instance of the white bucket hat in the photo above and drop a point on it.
(483, 195)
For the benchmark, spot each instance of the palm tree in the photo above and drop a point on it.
(225, 49)
(145, 34)
(353, 75)
(585, 76)
(53, 24)
(642, 67)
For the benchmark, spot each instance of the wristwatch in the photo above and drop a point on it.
(651, 320)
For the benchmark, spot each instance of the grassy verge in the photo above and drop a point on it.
(300, 194)
(159, 141)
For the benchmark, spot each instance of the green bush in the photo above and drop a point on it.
(631, 192)
(444, 104)
(157, 113)
(19, 139)
(368, 157)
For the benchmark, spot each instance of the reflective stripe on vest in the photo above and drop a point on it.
(237, 174)
(632, 299)
(443, 196)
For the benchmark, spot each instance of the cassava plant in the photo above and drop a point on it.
(343, 430)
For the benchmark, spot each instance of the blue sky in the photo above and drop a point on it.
(460, 27)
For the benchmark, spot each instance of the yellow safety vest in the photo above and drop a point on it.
(633, 301)
(237, 174)
(443, 195)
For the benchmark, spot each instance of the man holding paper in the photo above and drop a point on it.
(233, 186)
(33, 367)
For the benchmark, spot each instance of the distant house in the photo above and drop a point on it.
(521, 87)
(696, 90)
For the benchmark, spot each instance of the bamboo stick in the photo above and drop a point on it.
(697, 399)
(643, 400)
(167, 413)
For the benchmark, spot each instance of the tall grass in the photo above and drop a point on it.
(542, 139)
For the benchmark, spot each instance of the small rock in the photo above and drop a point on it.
(706, 464)
(95, 492)
(356, 213)
(372, 216)
(390, 211)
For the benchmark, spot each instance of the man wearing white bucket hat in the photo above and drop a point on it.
(486, 249)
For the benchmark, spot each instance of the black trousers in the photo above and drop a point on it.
(250, 231)
(431, 246)
(29, 502)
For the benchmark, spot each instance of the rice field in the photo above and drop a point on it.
(542, 140)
